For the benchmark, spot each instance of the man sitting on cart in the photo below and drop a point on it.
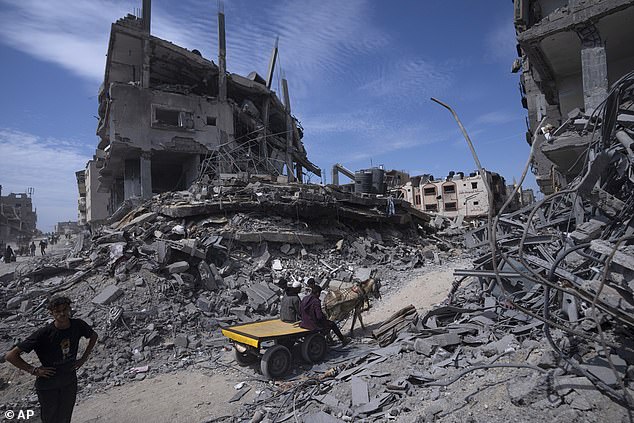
(289, 306)
(313, 318)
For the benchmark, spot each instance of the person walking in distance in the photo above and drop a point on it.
(56, 346)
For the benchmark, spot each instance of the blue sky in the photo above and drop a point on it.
(360, 74)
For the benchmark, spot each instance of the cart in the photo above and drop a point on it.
(270, 342)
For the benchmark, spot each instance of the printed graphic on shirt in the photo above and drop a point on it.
(65, 346)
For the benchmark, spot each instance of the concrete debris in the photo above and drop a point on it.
(157, 283)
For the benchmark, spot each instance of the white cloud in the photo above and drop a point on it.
(71, 35)
(408, 80)
(47, 165)
(497, 117)
(316, 38)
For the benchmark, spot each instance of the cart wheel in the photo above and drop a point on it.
(276, 362)
(245, 358)
(314, 348)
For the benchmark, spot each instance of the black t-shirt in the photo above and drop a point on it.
(57, 348)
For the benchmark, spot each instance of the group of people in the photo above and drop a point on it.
(8, 255)
(306, 311)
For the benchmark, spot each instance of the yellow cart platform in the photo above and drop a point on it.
(271, 341)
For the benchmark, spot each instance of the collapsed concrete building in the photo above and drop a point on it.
(18, 220)
(571, 52)
(169, 117)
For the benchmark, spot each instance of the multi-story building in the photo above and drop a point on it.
(18, 220)
(169, 117)
(571, 52)
(455, 195)
(67, 227)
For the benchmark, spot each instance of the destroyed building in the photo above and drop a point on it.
(168, 116)
(68, 227)
(17, 218)
(571, 52)
(455, 195)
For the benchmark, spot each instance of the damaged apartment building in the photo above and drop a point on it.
(169, 117)
(455, 195)
(18, 220)
(571, 53)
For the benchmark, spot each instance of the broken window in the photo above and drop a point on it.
(475, 203)
(431, 207)
(430, 191)
(474, 185)
(417, 199)
(451, 206)
(449, 189)
(164, 117)
(211, 121)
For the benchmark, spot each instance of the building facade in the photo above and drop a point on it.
(455, 195)
(18, 220)
(570, 53)
(169, 117)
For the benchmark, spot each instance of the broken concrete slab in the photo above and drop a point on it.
(360, 393)
(178, 267)
(272, 236)
(108, 295)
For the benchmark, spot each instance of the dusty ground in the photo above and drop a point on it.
(186, 396)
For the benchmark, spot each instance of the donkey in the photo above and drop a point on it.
(339, 303)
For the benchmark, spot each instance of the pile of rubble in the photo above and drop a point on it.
(567, 262)
(157, 282)
(547, 322)
(468, 361)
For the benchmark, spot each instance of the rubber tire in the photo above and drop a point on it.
(276, 362)
(245, 359)
(314, 348)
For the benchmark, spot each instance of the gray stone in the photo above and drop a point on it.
(499, 346)
(262, 260)
(548, 360)
(204, 304)
(108, 295)
(445, 339)
(181, 341)
(423, 346)
(206, 277)
(14, 302)
(178, 267)
(362, 273)
(25, 306)
(528, 390)
(580, 402)
(286, 248)
(600, 367)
